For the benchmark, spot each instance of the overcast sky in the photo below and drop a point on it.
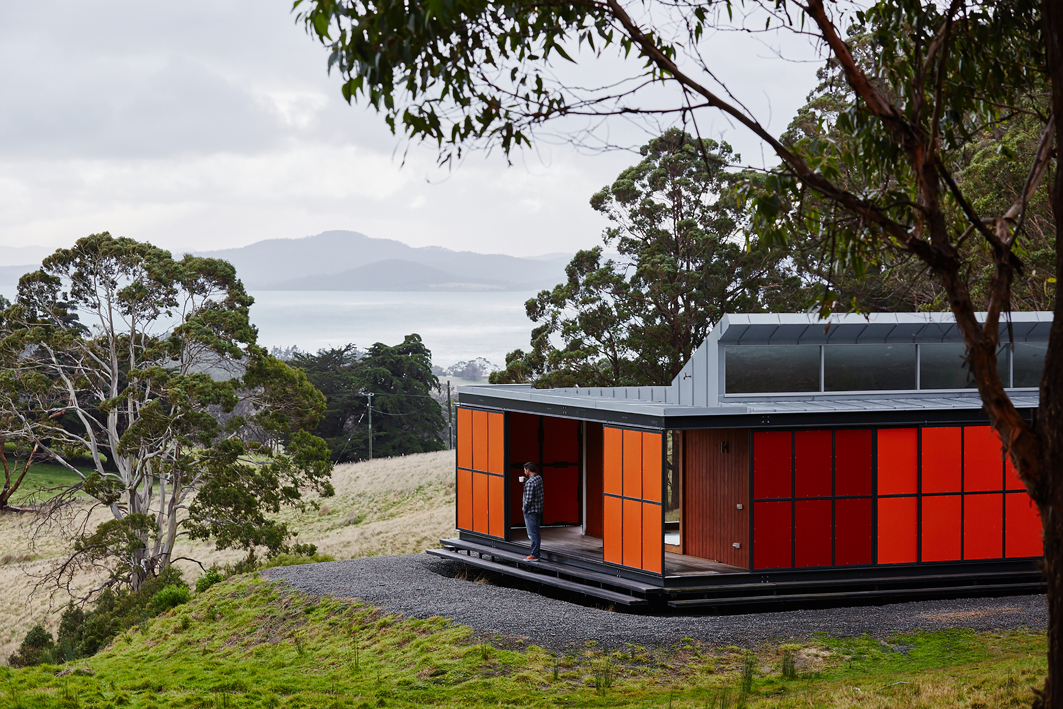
(208, 124)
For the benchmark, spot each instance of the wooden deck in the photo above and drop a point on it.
(571, 541)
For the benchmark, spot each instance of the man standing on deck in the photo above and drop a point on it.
(533, 508)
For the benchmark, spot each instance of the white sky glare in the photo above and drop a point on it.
(209, 124)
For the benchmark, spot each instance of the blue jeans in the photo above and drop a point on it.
(532, 522)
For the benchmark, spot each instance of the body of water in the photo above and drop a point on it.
(455, 326)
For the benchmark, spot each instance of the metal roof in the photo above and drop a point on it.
(697, 390)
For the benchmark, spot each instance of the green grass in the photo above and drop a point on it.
(41, 476)
(249, 643)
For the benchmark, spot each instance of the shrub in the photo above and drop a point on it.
(208, 579)
(170, 597)
(37, 649)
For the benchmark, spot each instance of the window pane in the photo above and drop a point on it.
(868, 367)
(941, 367)
(1029, 361)
(756, 369)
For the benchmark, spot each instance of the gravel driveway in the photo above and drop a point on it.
(423, 586)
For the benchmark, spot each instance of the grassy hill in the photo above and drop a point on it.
(388, 506)
(250, 643)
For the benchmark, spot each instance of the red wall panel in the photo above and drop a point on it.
(941, 459)
(1022, 526)
(632, 464)
(1011, 476)
(651, 466)
(812, 533)
(983, 530)
(772, 543)
(898, 464)
(633, 533)
(941, 528)
(852, 462)
(479, 440)
(813, 457)
(523, 448)
(496, 513)
(652, 542)
(613, 539)
(772, 473)
(983, 468)
(897, 529)
(560, 440)
(464, 438)
(853, 531)
(464, 495)
(496, 443)
(479, 502)
(614, 461)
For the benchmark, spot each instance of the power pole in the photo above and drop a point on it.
(370, 395)
(450, 417)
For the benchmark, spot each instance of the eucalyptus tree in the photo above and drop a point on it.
(478, 72)
(681, 263)
(140, 375)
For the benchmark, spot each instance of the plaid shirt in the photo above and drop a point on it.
(533, 495)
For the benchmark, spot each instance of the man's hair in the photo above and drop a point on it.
(530, 467)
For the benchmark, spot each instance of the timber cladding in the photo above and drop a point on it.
(716, 481)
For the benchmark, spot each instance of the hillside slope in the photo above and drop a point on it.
(387, 506)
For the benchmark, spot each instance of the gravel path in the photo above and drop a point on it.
(423, 586)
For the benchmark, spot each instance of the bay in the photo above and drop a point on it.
(454, 326)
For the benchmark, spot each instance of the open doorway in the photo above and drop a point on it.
(560, 450)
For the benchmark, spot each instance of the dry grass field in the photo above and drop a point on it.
(389, 506)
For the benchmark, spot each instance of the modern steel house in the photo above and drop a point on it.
(792, 459)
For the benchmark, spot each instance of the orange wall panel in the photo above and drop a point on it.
(651, 466)
(651, 537)
(496, 443)
(480, 497)
(464, 438)
(983, 531)
(941, 459)
(632, 464)
(613, 537)
(1022, 527)
(496, 513)
(613, 482)
(464, 499)
(633, 534)
(479, 440)
(940, 538)
(897, 530)
(983, 466)
(898, 461)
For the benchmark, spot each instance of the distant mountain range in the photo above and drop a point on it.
(347, 260)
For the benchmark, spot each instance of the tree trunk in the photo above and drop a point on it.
(1049, 425)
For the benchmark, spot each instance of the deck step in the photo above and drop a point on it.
(923, 581)
(947, 591)
(546, 565)
(572, 586)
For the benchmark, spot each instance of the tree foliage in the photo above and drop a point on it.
(681, 264)
(146, 367)
(938, 79)
(406, 417)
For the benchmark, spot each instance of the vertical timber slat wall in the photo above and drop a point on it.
(716, 482)
(887, 496)
(634, 512)
(481, 483)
